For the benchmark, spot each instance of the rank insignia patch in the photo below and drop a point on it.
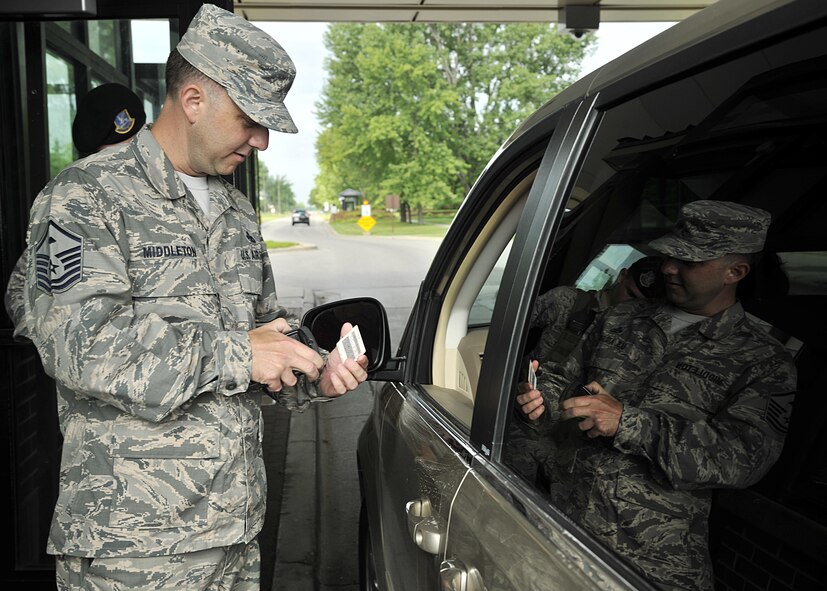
(779, 410)
(59, 259)
(123, 122)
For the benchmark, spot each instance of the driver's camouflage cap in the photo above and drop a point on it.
(251, 65)
(707, 230)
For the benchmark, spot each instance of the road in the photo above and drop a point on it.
(337, 267)
(318, 509)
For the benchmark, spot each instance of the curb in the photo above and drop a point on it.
(296, 544)
(290, 248)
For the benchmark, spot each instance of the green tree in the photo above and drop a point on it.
(275, 192)
(502, 73)
(418, 110)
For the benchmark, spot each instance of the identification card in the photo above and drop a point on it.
(351, 345)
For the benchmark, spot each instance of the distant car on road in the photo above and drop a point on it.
(300, 216)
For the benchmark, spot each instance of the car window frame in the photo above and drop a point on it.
(536, 230)
(418, 339)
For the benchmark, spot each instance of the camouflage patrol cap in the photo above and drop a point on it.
(707, 230)
(253, 68)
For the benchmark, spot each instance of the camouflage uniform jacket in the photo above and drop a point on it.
(553, 312)
(139, 305)
(703, 408)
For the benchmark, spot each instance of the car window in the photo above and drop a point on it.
(604, 269)
(468, 301)
(754, 131)
(806, 272)
(483, 307)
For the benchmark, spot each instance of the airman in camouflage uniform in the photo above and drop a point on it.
(157, 315)
(686, 396)
(563, 314)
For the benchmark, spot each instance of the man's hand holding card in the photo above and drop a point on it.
(345, 368)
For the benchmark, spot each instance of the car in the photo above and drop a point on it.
(300, 216)
(730, 104)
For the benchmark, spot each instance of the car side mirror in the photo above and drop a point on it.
(325, 322)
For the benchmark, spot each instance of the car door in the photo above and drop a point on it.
(748, 128)
(744, 124)
(446, 513)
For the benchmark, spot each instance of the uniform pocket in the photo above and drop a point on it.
(689, 390)
(163, 474)
(250, 269)
(176, 289)
(165, 277)
(662, 531)
(240, 276)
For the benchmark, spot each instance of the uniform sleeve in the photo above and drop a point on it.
(15, 298)
(556, 380)
(267, 305)
(79, 300)
(733, 448)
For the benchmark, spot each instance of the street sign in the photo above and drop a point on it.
(366, 222)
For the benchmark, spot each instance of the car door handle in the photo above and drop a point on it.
(424, 527)
(454, 576)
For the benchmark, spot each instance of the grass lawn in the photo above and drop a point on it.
(269, 217)
(432, 227)
(274, 244)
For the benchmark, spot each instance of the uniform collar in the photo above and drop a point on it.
(715, 327)
(161, 174)
(157, 166)
(723, 323)
(220, 192)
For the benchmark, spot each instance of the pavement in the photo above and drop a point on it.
(310, 540)
(317, 544)
(310, 537)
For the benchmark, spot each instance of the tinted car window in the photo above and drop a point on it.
(753, 133)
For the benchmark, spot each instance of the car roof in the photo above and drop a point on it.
(722, 29)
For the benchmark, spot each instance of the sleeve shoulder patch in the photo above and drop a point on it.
(59, 259)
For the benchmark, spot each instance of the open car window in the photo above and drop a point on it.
(465, 316)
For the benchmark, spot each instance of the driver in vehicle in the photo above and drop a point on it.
(563, 314)
(684, 397)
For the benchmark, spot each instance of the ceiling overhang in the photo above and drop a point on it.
(454, 11)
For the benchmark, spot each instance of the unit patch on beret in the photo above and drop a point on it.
(123, 122)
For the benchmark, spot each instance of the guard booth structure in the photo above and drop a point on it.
(349, 199)
(49, 61)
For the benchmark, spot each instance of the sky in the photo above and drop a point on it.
(294, 155)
